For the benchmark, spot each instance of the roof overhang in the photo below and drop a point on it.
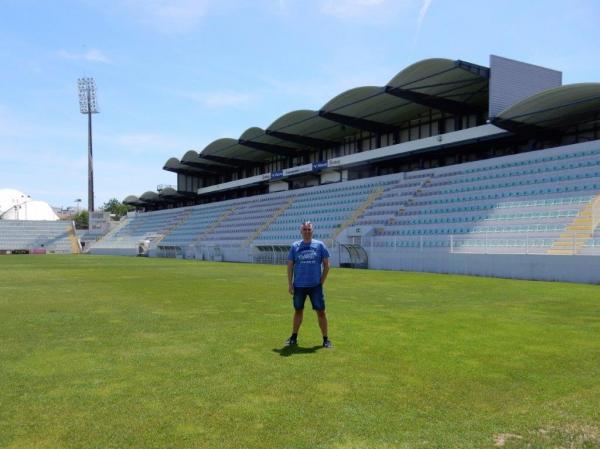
(456, 87)
(429, 88)
(236, 154)
(556, 108)
(132, 200)
(173, 165)
(308, 129)
(150, 197)
(192, 159)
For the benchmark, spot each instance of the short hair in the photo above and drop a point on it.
(307, 223)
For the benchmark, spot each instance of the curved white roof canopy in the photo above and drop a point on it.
(308, 128)
(427, 87)
(271, 146)
(231, 150)
(132, 200)
(175, 166)
(150, 197)
(169, 193)
(556, 107)
(193, 159)
(370, 108)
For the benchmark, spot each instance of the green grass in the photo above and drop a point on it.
(107, 352)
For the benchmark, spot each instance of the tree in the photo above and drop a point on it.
(82, 219)
(115, 207)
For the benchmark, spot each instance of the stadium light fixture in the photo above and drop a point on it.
(88, 105)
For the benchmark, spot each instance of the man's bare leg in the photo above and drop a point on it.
(322, 316)
(298, 315)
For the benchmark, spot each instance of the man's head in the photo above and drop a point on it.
(306, 229)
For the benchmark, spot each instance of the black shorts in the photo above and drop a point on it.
(317, 298)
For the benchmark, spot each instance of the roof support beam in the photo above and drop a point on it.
(183, 195)
(179, 196)
(480, 70)
(303, 140)
(136, 203)
(231, 161)
(442, 104)
(269, 148)
(359, 123)
(208, 167)
(190, 171)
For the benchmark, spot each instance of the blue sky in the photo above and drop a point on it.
(175, 75)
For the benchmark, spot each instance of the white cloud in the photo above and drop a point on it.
(227, 99)
(92, 55)
(96, 56)
(169, 16)
(422, 14)
(219, 99)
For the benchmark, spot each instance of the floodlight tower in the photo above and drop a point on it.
(88, 105)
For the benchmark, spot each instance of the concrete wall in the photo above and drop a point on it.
(278, 186)
(330, 176)
(114, 251)
(585, 269)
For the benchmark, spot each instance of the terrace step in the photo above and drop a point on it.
(359, 211)
(75, 244)
(181, 219)
(561, 252)
(215, 225)
(577, 232)
(268, 223)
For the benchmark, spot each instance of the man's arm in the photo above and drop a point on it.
(325, 270)
(290, 273)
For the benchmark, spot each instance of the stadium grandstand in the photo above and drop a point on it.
(31, 226)
(449, 167)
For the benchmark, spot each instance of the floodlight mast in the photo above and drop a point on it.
(89, 106)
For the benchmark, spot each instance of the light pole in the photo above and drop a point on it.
(88, 105)
(78, 201)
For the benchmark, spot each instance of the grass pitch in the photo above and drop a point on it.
(108, 352)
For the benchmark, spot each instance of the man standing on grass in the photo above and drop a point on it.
(305, 278)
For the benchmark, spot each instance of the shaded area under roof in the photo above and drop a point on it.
(372, 104)
(306, 127)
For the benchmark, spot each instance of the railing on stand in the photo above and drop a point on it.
(527, 244)
(595, 214)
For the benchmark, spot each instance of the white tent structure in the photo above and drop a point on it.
(15, 205)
